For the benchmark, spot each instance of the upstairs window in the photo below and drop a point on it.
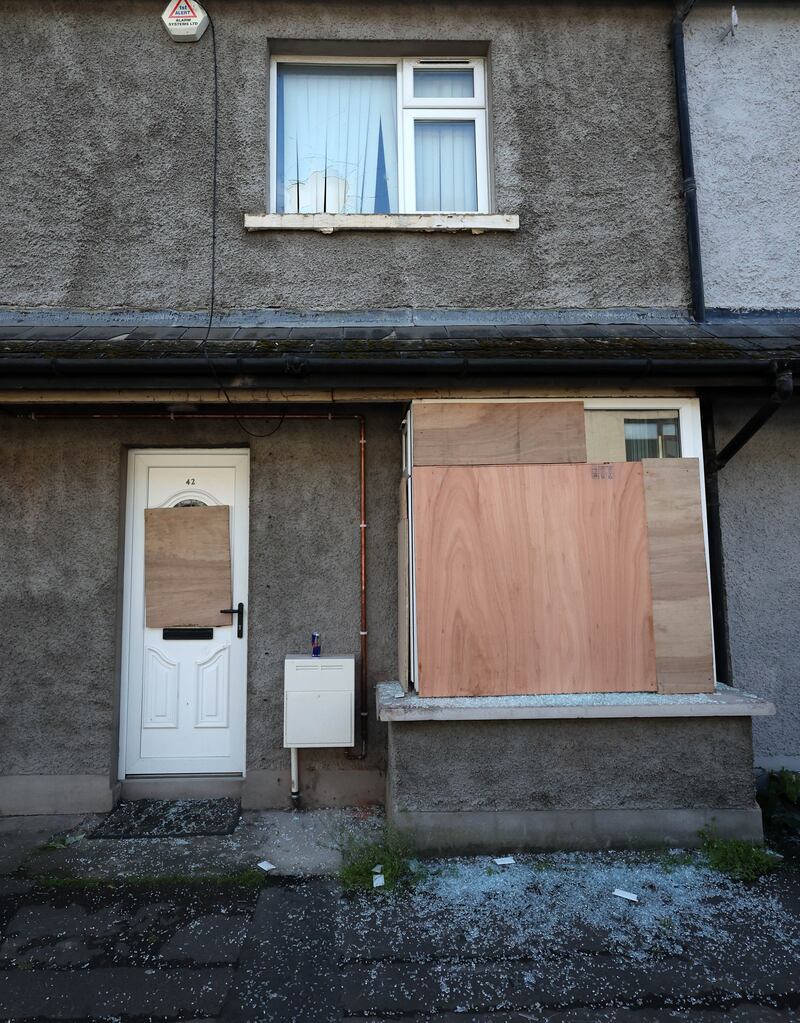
(379, 136)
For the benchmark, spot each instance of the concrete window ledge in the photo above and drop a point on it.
(328, 223)
(397, 706)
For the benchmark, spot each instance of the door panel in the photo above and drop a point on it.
(184, 699)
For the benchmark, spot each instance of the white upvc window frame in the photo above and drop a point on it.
(410, 118)
(475, 64)
(409, 110)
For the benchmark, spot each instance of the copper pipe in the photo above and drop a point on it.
(363, 715)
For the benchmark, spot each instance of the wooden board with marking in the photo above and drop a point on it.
(498, 433)
(532, 579)
(187, 567)
(681, 604)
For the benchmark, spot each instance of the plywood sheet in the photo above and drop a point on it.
(532, 579)
(681, 605)
(187, 566)
(498, 433)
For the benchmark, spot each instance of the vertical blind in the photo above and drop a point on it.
(337, 146)
(444, 82)
(446, 166)
(651, 438)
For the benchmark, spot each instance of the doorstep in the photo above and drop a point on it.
(394, 704)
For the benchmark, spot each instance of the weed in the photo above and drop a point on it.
(389, 849)
(61, 843)
(246, 878)
(674, 858)
(740, 860)
(780, 800)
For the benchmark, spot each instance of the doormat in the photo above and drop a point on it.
(169, 818)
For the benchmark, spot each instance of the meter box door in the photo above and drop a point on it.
(318, 701)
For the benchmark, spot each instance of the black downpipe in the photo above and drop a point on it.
(716, 563)
(687, 164)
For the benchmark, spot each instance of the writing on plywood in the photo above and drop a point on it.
(498, 433)
(681, 605)
(187, 566)
(532, 579)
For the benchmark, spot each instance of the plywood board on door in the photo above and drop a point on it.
(681, 604)
(187, 564)
(532, 579)
(498, 433)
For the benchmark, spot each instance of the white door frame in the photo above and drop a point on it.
(139, 459)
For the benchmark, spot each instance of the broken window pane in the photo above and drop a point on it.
(336, 139)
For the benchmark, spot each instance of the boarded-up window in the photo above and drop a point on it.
(187, 566)
(538, 577)
(532, 579)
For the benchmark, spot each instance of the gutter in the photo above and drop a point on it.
(57, 369)
(689, 186)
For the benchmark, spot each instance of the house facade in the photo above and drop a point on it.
(389, 282)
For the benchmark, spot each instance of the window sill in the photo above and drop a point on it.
(395, 705)
(328, 223)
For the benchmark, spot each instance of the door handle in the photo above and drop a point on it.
(239, 612)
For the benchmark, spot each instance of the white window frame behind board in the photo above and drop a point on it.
(688, 410)
(409, 109)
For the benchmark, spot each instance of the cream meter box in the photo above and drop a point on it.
(318, 701)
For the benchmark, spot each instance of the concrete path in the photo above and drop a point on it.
(543, 939)
(299, 844)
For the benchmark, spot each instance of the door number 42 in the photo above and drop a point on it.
(191, 482)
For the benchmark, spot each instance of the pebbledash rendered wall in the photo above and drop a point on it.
(107, 153)
(745, 110)
(61, 530)
(483, 785)
(758, 492)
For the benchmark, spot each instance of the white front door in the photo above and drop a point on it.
(184, 699)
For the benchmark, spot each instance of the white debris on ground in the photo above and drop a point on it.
(556, 901)
(298, 844)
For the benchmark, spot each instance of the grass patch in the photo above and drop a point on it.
(61, 843)
(390, 849)
(670, 861)
(247, 878)
(739, 860)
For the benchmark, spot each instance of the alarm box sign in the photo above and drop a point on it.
(185, 20)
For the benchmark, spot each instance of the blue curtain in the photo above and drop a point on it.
(336, 139)
(446, 170)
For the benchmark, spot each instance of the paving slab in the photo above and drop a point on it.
(289, 968)
(20, 836)
(108, 993)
